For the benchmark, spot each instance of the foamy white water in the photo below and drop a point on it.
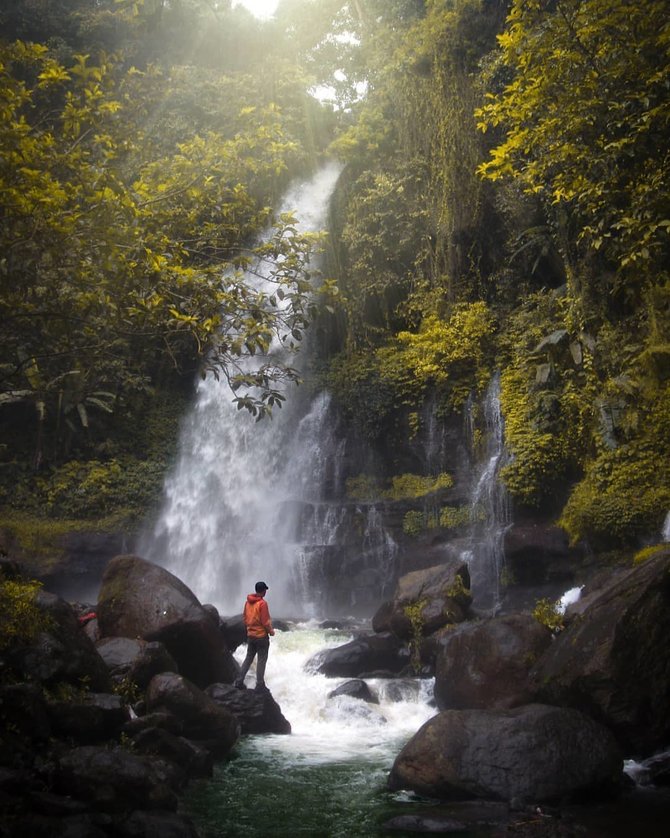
(327, 730)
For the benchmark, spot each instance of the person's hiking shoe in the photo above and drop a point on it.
(240, 685)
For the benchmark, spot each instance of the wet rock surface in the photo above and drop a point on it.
(613, 660)
(139, 599)
(257, 712)
(486, 664)
(532, 753)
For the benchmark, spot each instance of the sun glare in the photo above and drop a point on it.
(259, 8)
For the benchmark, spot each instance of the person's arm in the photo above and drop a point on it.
(264, 614)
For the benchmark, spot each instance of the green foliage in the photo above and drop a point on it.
(413, 486)
(363, 487)
(129, 691)
(449, 354)
(453, 517)
(583, 114)
(414, 613)
(458, 591)
(625, 492)
(649, 553)
(123, 237)
(413, 522)
(20, 618)
(546, 613)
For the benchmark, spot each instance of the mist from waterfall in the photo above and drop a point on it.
(237, 499)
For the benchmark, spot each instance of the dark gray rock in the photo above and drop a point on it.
(441, 594)
(115, 780)
(257, 712)
(613, 660)
(161, 719)
(206, 722)
(453, 818)
(88, 718)
(369, 653)
(142, 824)
(356, 688)
(23, 711)
(62, 652)
(139, 599)
(532, 753)
(485, 664)
(135, 660)
(191, 758)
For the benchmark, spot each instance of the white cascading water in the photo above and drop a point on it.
(329, 776)
(489, 509)
(665, 534)
(239, 488)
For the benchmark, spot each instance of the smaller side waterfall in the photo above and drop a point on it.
(665, 534)
(489, 509)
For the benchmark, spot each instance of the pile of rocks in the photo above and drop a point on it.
(106, 717)
(526, 715)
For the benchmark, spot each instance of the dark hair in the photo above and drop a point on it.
(261, 587)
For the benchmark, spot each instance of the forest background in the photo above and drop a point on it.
(504, 205)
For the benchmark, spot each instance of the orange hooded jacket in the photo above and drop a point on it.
(257, 617)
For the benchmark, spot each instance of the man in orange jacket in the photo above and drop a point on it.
(259, 630)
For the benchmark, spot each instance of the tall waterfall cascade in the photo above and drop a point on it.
(244, 500)
(490, 511)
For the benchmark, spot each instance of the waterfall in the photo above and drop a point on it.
(489, 508)
(236, 502)
(665, 533)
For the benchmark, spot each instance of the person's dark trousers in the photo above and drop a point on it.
(256, 646)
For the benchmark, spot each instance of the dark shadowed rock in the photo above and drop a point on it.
(613, 661)
(62, 652)
(161, 719)
(89, 718)
(144, 824)
(485, 664)
(532, 753)
(138, 599)
(370, 653)
(426, 600)
(257, 712)
(136, 660)
(453, 818)
(23, 710)
(205, 721)
(234, 631)
(191, 758)
(114, 779)
(356, 688)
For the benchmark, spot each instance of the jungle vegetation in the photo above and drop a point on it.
(505, 205)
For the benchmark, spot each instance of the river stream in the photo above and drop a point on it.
(328, 778)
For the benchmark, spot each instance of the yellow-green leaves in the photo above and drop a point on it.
(583, 115)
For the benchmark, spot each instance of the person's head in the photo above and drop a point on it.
(261, 588)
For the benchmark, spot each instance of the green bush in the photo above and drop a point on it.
(20, 618)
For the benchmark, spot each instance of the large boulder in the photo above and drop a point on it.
(257, 712)
(203, 720)
(88, 719)
(528, 754)
(613, 660)
(139, 599)
(61, 653)
(114, 779)
(485, 664)
(426, 600)
(377, 653)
